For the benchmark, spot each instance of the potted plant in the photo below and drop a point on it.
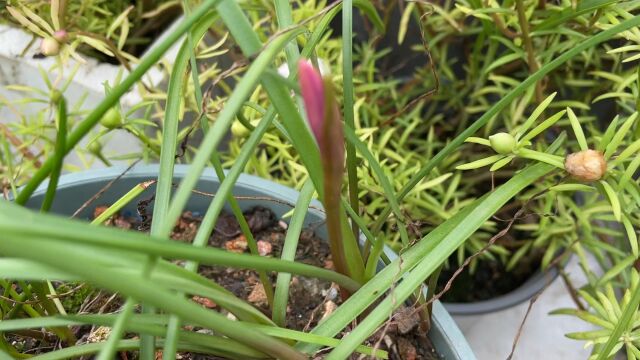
(77, 188)
(41, 246)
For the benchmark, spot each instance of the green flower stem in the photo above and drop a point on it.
(292, 120)
(41, 288)
(348, 104)
(59, 154)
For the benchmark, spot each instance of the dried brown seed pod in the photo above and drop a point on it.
(586, 165)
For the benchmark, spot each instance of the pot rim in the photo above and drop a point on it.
(530, 288)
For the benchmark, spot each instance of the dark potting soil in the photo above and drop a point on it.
(310, 300)
(489, 280)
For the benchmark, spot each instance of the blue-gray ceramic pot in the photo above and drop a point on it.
(76, 188)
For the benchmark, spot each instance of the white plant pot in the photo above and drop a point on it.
(19, 67)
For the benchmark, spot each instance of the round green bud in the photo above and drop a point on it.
(111, 119)
(95, 147)
(55, 96)
(502, 143)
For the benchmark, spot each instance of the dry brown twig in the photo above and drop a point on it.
(261, 198)
(104, 189)
(503, 232)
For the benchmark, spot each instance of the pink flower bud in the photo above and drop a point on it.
(313, 96)
(322, 113)
(61, 36)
